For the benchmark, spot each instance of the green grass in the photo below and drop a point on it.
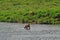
(45, 11)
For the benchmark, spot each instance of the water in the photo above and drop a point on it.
(14, 31)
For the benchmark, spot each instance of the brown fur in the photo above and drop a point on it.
(27, 26)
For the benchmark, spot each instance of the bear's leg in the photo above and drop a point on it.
(28, 28)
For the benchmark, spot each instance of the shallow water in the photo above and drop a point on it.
(15, 31)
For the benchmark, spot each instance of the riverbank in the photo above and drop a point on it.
(32, 11)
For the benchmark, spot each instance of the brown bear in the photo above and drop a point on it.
(27, 26)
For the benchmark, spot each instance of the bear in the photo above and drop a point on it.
(27, 26)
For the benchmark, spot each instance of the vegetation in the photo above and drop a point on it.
(33, 11)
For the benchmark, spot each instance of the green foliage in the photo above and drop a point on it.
(45, 11)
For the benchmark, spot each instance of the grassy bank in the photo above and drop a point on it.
(33, 11)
